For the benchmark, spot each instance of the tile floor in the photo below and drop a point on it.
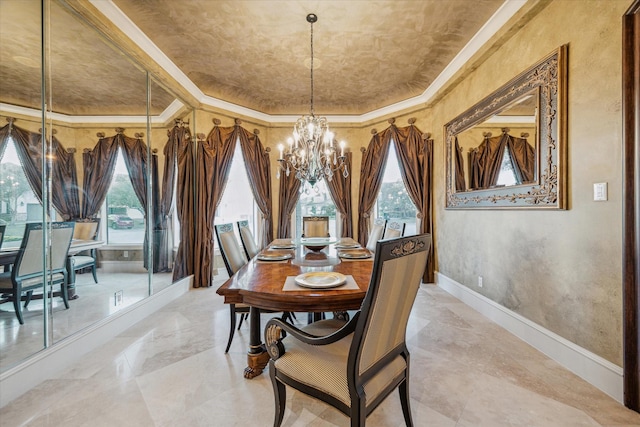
(95, 302)
(171, 370)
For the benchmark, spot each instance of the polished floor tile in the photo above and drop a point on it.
(170, 370)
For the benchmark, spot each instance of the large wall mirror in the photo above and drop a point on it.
(508, 150)
(95, 99)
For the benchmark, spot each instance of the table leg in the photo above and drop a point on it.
(257, 358)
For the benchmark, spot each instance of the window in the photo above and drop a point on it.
(318, 202)
(18, 204)
(125, 215)
(393, 202)
(507, 176)
(237, 202)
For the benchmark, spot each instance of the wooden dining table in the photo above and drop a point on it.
(259, 284)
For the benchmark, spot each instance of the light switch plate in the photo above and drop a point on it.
(600, 191)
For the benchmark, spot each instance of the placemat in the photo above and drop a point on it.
(291, 285)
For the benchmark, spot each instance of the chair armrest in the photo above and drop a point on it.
(276, 329)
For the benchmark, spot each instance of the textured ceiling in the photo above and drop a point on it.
(255, 53)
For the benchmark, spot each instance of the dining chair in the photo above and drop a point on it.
(315, 226)
(247, 239)
(27, 274)
(85, 230)
(233, 259)
(394, 229)
(357, 366)
(376, 233)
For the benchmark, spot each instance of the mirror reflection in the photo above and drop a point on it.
(499, 151)
(105, 130)
(508, 150)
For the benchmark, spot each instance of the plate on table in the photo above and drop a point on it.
(347, 245)
(355, 254)
(274, 255)
(283, 246)
(321, 279)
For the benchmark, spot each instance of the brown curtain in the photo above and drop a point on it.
(486, 161)
(340, 190)
(289, 195)
(523, 158)
(256, 161)
(415, 155)
(374, 160)
(185, 201)
(99, 165)
(64, 195)
(212, 171)
(178, 137)
(459, 162)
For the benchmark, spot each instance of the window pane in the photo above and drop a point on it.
(237, 203)
(317, 202)
(125, 215)
(18, 203)
(393, 201)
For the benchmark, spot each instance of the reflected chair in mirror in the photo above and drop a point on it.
(376, 233)
(2, 231)
(315, 226)
(85, 230)
(233, 259)
(394, 229)
(357, 366)
(248, 242)
(27, 274)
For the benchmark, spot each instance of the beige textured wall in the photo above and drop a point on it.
(560, 269)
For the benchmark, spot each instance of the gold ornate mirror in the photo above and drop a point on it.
(508, 150)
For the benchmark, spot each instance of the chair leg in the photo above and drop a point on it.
(16, 306)
(279, 395)
(93, 271)
(232, 329)
(243, 317)
(65, 293)
(28, 300)
(403, 388)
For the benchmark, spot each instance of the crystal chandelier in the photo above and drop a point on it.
(312, 152)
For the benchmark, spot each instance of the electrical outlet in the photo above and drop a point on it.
(125, 254)
(118, 297)
(480, 281)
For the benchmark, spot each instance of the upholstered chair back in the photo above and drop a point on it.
(394, 229)
(87, 229)
(248, 241)
(29, 259)
(232, 254)
(315, 226)
(376, 233)
(395, 281)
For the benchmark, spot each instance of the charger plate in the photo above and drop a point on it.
(274, 255)
(321, 279)
(355, 254)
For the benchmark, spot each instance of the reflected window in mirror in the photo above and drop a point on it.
(393, 202)
(18, 203)
(237, 202)
(124, 213)
(317, 202)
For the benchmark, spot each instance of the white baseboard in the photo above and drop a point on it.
(49, 362)
(599, 372)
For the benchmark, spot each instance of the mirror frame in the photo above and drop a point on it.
(549, 76)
